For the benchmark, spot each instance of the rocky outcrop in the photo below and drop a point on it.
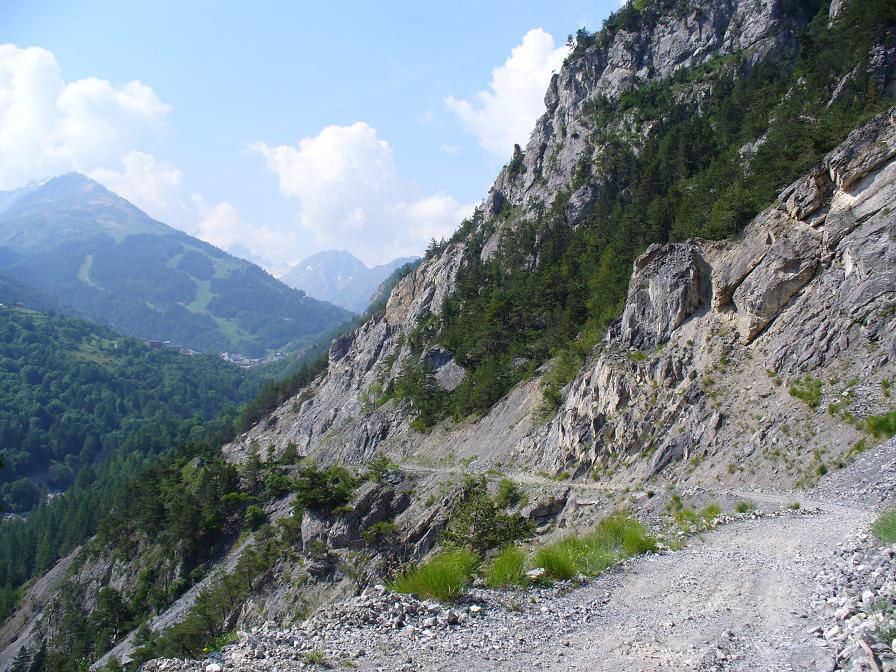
(343, 402)
(686, 36)
(810, 282)
(670, 283)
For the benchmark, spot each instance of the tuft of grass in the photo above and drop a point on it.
(857, 448)
(711, 511)
(884, 528)
(508, 568)
(615, 537)
(794, 506)
(689, 520)
(444, 577)
(744, 506)
(808, 390)
(219, 642)
(314, 658)
(558, 559)
(881, 425)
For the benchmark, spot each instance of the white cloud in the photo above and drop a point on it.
(435, 216)
(152, 185)
(223, 225)
(349, 190)
(505, 114)
(345, 178)
(449, 149)
(49, 126)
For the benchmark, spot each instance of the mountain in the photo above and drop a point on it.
(341, 278)
(675, 309)
(89, 248)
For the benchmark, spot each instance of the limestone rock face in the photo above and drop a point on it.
(670, 283)
(680, 39)
(786, 266)
(340, 403)
(808, 282)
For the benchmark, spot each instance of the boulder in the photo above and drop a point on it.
(786, 267)
(669, 284)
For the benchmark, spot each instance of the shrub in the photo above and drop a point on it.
(276, 484)
(378, 467)
(794, 506)
(508, 494)
(323, 489)
(881, 425)
(379, 531)
(515, 167)
(254, 516)
(443, 577)
(480, 526)
(884, 527)
(508, 568)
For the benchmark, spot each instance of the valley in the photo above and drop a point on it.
(636, 412)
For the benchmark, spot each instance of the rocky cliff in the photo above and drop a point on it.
(804, 285)
(718, 339)
(713, 338)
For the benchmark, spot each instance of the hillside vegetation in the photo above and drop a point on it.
(72, 392)
(83, 410)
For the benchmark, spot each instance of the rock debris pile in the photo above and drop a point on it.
(858, 597)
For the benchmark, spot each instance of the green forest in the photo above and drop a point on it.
(72, 392)
(507, 318)
(84, 410)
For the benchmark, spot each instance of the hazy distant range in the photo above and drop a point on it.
(340, 277)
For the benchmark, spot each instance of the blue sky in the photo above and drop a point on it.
(276, 129)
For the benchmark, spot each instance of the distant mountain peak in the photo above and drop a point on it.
(339, 277)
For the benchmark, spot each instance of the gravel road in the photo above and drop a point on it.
(744, 597)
